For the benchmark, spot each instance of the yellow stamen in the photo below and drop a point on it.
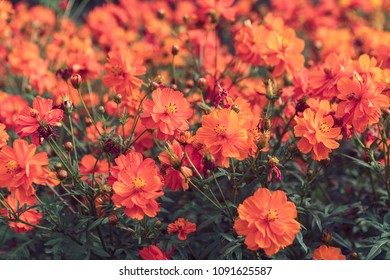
(34, 113)
(324, 127)
(220, 130)
(171, 108)
(11, 166)
(139, 183)
(272, 215)
(116, 69)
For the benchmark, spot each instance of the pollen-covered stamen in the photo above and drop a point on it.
(139, 183)
(116, 69)
(11, 166)
(171, 108)
(272, 215)
(324, 127)
(220, 130)
(34, 113)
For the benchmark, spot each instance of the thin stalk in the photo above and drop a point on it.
(223, 198)
(72, 135)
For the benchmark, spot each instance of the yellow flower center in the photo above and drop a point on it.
(34, 113)
(272, 215)
(11, 166)
(324, 127)
(220, 130)
(171, 108)
(180, 224)
(256, 38)
(285, 43)
(116, 69)
(139, 183)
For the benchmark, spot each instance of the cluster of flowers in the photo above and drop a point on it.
(218, 111)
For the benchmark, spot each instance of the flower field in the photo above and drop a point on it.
(195, 129)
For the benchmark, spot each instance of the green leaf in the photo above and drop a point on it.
(376, 249)
(299, 237)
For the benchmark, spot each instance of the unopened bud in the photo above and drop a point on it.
(189, 83)
(235, 108)
(327, 237)
(113, 219)
(158, 224)
(355, 256)
(68, 146)
(186, 18)
(175, 49)
(161, 13)
(62, 174)
(101, 110)
(118, 98)
(88, 121)
(75, 80)
(201, 83)
(58, 166)
(292, 148)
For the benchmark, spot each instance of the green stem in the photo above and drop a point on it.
(87, 111)
(72, 135)
(223, 198)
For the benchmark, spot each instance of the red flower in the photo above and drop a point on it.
(39, 120)
(152, 252)
(183, 227)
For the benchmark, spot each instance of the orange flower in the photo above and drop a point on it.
(20, 167)
(121, 69)
(285, 52)
(361, 101)
(152, 252)
(223, 135)
(39, 120)
(323, 80)
(267, 221)
(31, 216)
(183, 227)
(172, 161)
(11, 106)
(138, 186)
(223, 7)
(317, 132)
(168, 111)
(4, 137)
(327, 253)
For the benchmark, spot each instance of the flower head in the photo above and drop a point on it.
(327, 253)
(224, 136)
(267, 221)
(152, 252)
(317, 132)
(31, 216)
(138, 185)
(361, 101)
(39, 120)
(4, 137)
(168, 111)
(20, 167)
(183, 227)
(121, 69)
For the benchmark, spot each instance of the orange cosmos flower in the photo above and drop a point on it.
(31, 216)
(172, 161)
(361, 101)
(183, 227)
(121, 69)
(327, 253)
(317, 132)
(168, 111)
(4, 137)
(267, 221)
(89, 166)
(39, 120)
(20, 167)
(323, 80)
(152, 252)
(285, 52)
(224, 136)
(11, 106)
(138, 186)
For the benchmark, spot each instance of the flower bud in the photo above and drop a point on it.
(175, 49)
(75, 80)
(201, 83)
(113, 219)
(118, 98)
(101, 110)
(161, 13)
(68, 146)
(88, 121)
(58, 166)
(62, 174)
(158, 224)
(327, 237)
